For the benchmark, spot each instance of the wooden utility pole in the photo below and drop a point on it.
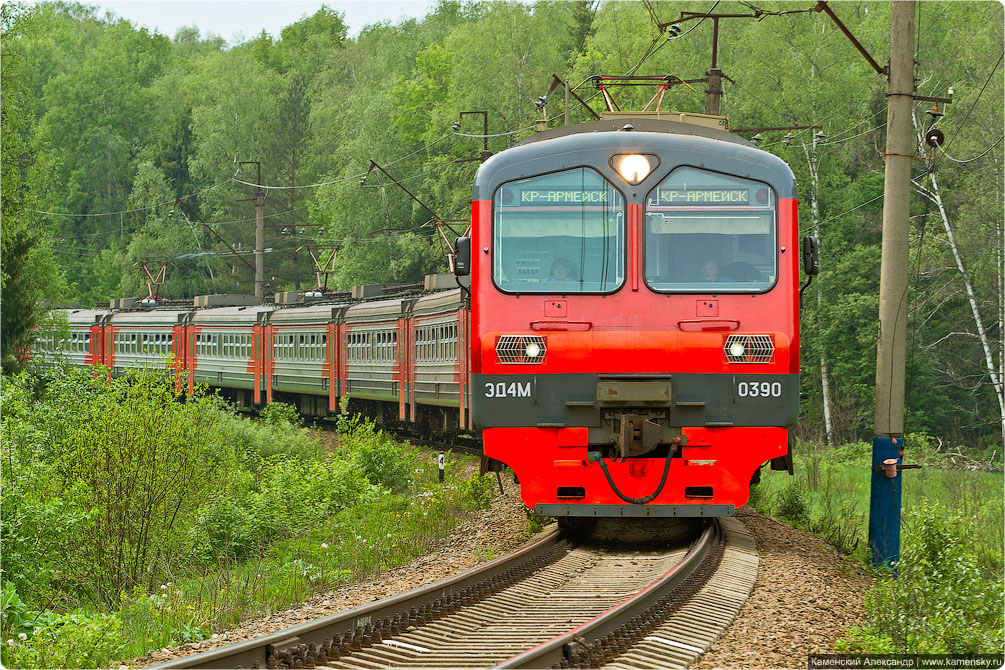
(888, 441)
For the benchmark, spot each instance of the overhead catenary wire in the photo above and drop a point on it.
(136, 209)
(972, 105)
(653, 47)
(344, 179)
(511, 132)
(977, 157)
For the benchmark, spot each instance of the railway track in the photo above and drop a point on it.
(558, 602)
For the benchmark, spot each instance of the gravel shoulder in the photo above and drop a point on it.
(805, 597)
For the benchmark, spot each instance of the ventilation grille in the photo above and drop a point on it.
(749, 349)
(514, 349)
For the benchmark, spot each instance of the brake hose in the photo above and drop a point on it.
(595, 456)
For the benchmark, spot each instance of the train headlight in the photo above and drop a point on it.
(633, 168)
(749, 348)
(521, 349)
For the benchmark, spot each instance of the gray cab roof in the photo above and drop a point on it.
(706, 149)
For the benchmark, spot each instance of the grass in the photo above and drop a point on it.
(357, 543)
(946, 596)
(834, 485)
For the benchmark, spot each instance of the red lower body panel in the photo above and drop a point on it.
(715, 468)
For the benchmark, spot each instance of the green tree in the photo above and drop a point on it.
(28, 270)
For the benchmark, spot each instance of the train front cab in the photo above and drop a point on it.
(635, 345)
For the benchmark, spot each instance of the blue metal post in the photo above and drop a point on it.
(884, 503)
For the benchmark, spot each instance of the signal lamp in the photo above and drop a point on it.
(736, 349)
(633, 168)
(532, 350)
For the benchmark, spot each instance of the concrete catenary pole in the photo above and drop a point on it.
(259, 230)
(260, 243)
(884, 512)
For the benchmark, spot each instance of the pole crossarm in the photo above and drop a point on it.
(192, 213)
(375, 165)
(327, 267)
(824, 7)
(556, 82)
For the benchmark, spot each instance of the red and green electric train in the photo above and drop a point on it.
(628, 343)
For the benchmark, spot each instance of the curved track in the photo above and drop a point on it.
(557, 602)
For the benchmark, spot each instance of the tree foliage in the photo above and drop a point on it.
(114, 118)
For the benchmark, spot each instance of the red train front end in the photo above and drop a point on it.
(634, 330)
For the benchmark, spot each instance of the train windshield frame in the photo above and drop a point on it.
(709, 232)
(562, 232)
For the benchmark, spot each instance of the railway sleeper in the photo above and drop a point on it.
(293, 654)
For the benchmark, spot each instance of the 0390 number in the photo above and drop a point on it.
(759, 389)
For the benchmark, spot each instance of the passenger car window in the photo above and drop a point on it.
(559, 233)
(707, 232)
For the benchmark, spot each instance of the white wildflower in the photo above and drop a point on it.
(324, 545)
(22, 636)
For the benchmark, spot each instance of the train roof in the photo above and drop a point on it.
(579, 146)
(85, 317)
(374, 310)
(158, 317)
(230, 316)
(432, 303)
(306, 314)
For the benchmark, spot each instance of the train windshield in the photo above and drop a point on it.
(559, 233)
(707, 232)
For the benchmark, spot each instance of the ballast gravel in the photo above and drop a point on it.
(805, 597)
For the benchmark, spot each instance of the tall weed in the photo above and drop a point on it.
(939, 603)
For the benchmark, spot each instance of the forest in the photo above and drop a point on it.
(120, 146)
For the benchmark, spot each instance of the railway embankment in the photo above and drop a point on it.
(806, 595)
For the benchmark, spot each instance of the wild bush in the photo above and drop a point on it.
(938, 602)
(382, 460)
(791, 504)
(256, 439)
(37, 416)
(289, 496)
(280, 414)
(476, 491)
(140, 463)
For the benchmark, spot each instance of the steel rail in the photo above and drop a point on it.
(568, 646)
(424, 602)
